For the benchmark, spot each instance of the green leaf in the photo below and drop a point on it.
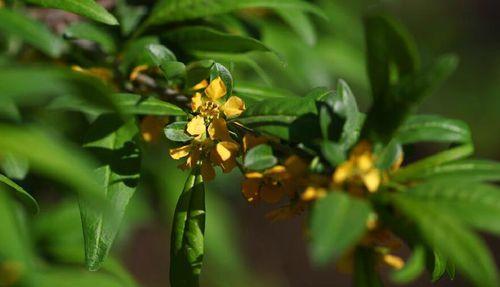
(260, 157)
(136, 53)
(365, 273)
(53, 157)
(300, 23)
(441, 231)
(86, 8)
(91, 32)
(333, 152)
(198, 71)
(253, 92)
(20, 193)
(338, 222)
(413, 267)
(345, 105)
(469, 169)
(177, 132)
(437, 266)
(475, 203)
(414, 170)
(16, 250)
(129, 16)
(397, 81)
(139, 105)
(167, 11)
(28, 85)
(32, 32)
(199, 38)
(392, 54)
(112, 141)
(288, 118)
(429, 128)
(14, 167)
(188, 228)
(218, 70)
(166, 61)
(388, 154)
(160, 53)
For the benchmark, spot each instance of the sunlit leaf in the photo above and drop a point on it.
(112, 141)
(415, 169)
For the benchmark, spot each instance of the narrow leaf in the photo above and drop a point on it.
(428, 128)
(87, 8)
(20, 193)
(415, 169)
(199, 38)
(188, 228)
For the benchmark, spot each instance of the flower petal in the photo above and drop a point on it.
(372, 180)
(225, 150)
(217, 130)
(196, 102)
(180, 152)
(201, 85)
(216, 89)
(342, 172)
(196, 126)
(233, 107)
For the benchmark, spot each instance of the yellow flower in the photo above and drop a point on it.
(359, 167)
(212, 147)
(269, 186)
(210, 103)
(393, 261)
(313, 193)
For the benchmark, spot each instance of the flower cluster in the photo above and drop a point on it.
(211, 142)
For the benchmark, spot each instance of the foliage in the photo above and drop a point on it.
(82, 109)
